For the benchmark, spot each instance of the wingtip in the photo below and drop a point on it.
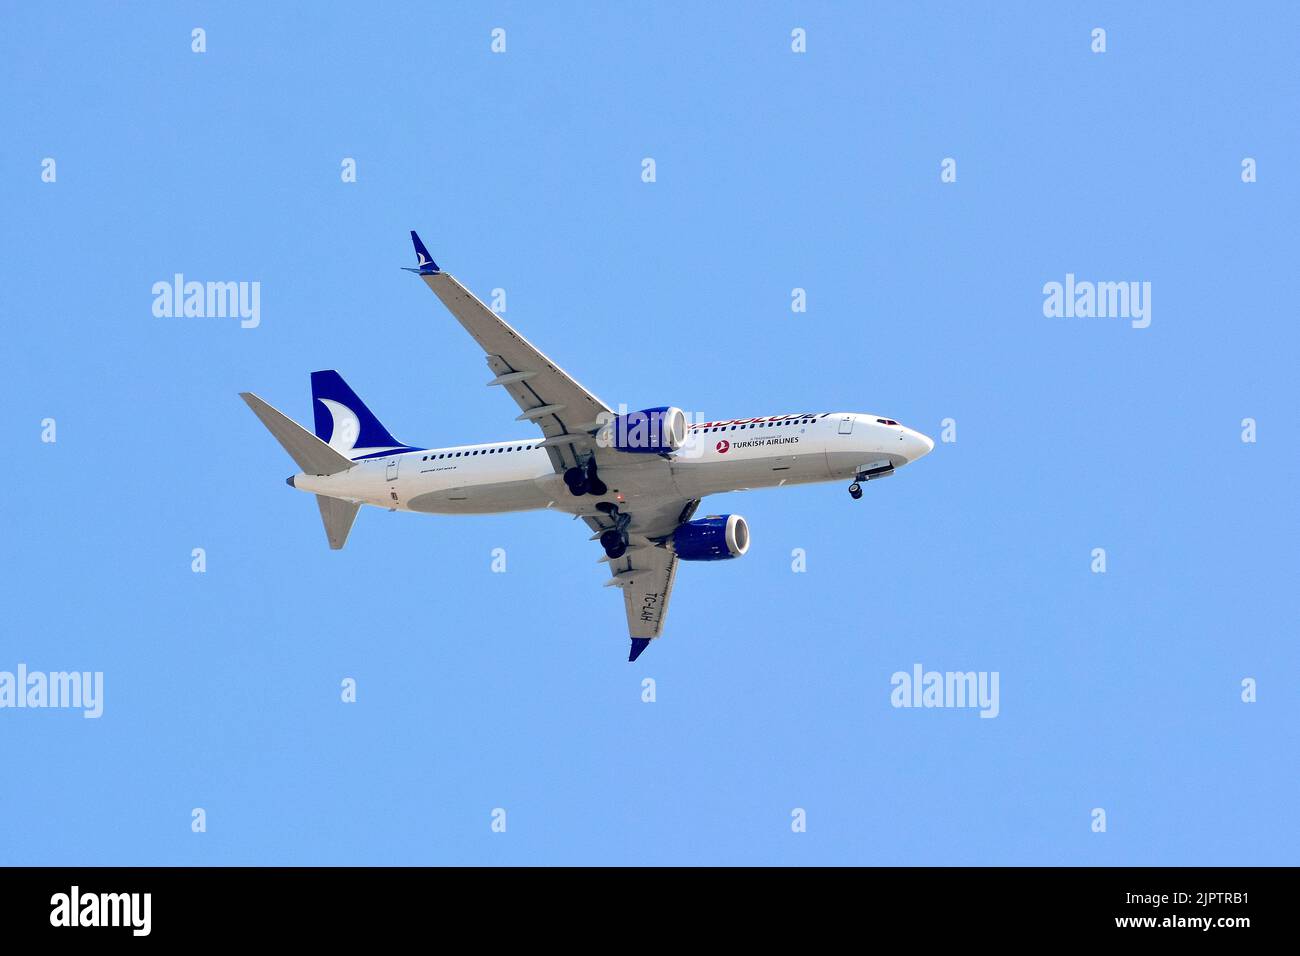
(424, 263)
(639, 644)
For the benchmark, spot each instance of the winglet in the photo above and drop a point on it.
(639, 644)
(425, 265)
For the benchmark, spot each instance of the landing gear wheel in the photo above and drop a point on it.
(855, 491)
(594, 485)
(576, 479)
(614, 542)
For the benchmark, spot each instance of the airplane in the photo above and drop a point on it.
(635, 478)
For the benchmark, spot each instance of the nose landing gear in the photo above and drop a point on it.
(871, 472)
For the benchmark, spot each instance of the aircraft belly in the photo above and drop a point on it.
(494, 498)
(698, 479)
(649, 480)
(845, 464)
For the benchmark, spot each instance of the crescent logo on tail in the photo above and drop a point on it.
(346, 426)
(344, 422)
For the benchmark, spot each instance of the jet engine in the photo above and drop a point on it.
(715, 538)
(652, 431)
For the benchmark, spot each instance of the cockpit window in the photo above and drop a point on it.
(886, 421)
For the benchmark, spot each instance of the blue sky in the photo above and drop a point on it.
(775, 170)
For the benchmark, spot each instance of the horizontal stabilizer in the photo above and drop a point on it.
(311, 454)
(338, 516)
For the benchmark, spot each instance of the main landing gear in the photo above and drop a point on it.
(855, 491)
(614, 541)
(585, 481)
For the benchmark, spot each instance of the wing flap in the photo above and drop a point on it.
(544, 392)
(547, 385)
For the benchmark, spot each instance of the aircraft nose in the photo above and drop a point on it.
(918, 445)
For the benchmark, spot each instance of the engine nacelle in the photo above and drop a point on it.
(715, 538)
(651, 431)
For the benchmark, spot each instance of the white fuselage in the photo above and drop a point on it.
(735, 455)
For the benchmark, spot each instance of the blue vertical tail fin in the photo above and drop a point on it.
(344, 422)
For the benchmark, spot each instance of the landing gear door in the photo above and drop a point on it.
(846, 425)
(391, 472)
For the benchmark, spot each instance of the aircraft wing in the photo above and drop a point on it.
(565, 411)
(568, 416)
(646, 571)
(646, 574)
